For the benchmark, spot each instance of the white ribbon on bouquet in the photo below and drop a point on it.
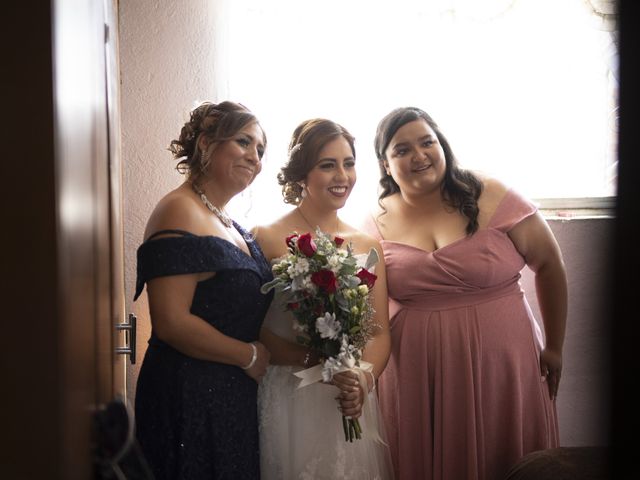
(314, 374)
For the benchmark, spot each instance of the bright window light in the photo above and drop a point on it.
(525, 90)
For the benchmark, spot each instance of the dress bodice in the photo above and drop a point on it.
(233, 293)
(483, 264)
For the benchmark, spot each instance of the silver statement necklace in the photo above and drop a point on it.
(224, 218)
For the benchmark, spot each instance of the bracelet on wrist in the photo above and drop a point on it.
(254, 357)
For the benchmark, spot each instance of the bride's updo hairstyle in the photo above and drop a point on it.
(215, 122)
(304, 148)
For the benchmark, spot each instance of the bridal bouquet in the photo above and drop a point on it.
(328, 294)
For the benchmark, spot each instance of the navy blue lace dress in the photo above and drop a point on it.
(197, 419)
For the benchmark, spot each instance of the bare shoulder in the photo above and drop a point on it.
(493, 191)
(271, 237)
(491, 186)
(177, 210)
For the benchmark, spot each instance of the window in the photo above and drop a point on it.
(525, 90)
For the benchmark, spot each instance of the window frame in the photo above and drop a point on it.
(577, 208)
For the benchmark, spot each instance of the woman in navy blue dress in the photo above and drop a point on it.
(196, 412)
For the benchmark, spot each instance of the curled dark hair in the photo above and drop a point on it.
(460, 188)
(215, 122)
(304, 148)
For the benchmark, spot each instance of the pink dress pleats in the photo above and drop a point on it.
(462, 396)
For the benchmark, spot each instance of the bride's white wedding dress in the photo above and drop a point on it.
(301, 434)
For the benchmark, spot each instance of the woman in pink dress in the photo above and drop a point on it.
(471, 383)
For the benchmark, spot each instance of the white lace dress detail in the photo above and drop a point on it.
(301, 435)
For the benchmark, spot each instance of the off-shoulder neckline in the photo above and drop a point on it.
(455, 242)
(185, 233)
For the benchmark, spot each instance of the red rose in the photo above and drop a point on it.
(366, 277)
(290, 240)
(326, 280)
(339, 241)
(307, 245)
(293, 305)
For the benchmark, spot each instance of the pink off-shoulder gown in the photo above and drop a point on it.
(462, 396)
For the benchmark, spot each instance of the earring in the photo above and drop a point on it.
(303, 193)
(204, 157)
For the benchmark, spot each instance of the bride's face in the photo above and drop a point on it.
(330, 181)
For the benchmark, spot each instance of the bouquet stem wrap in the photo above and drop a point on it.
(314, 374)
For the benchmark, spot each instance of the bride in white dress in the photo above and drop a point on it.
(301, 433)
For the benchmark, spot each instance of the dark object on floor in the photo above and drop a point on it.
(116, 453)
(563, 463)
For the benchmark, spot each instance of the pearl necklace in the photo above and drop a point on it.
(224, 218)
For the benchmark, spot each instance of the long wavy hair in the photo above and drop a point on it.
(460, 188)
(304, 148)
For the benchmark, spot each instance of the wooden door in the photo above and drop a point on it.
(115, 340)
(62, 267)
(90, 227)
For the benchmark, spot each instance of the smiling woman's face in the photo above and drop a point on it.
(238, 161)
(415, 159)
(332, 178)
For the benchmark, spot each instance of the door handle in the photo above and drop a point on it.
(130, 338)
